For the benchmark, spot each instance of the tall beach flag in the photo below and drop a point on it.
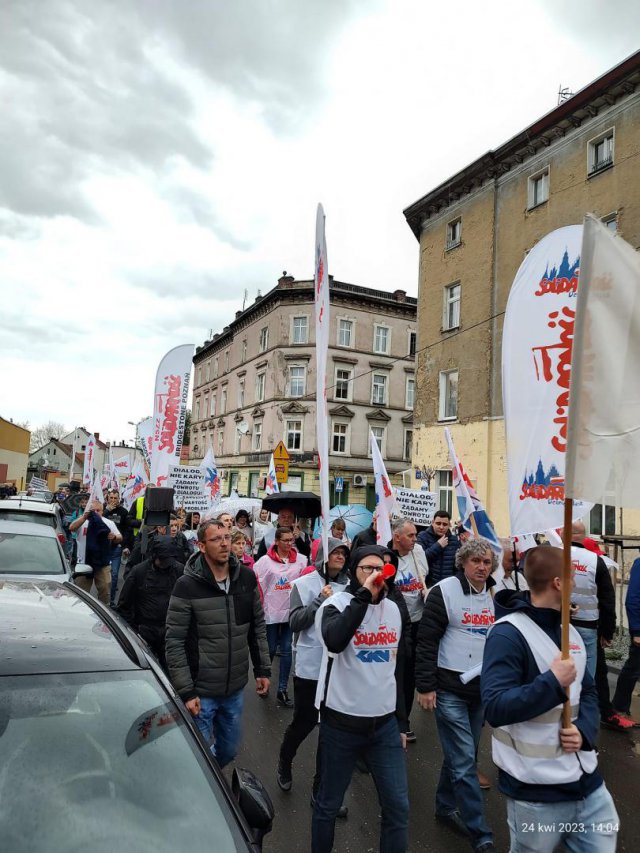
(272, 482)
(209, 468)
(385, 496)
(537, 346)
(472, 512)
(323, 319)
(144, 439)
(89, 460)
(603, 456)
(170, 411)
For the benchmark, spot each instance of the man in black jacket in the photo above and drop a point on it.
(286, 518)
(457, 615)
(145, 594)
(215, 621)
(440, 545)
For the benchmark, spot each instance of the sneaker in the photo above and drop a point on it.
(617, 723)
(628, 718)
(411, 737)
(283, 699)
(485, 782)
(454, 822)
(343, 811)
(283, 776)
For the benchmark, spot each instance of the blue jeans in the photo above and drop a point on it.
(459, 726)
(279, 634)
(590, 640)
(583, 826)
(219, 722)
(382, 751)
(116, 559)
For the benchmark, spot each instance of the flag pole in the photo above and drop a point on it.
(566, 598)
(474, 526)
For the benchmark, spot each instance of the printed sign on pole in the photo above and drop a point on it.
(189, 489)
(416, 505)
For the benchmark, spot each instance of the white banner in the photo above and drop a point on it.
(384, 494)
(170, 410)
(122, 466)
(89, 458)
(190, 491)
(97, 494)
(536, 370)
(209, 469)
(144, 439)
(418, 505)
(38, 483)
(136, 486)
(323, 319)
(603, 460)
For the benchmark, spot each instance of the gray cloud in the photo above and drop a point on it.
(610, 27)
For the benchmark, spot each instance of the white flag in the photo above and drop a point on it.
(122, 466)
(136, 486)
(603, 457)
(209, 468)
(96, 492)
(170, 411)
(272, 486)
(323, 319)
(89, 457)
(384, 494)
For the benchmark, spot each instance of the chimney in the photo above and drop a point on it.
(97, 436)
(400, 295)
(285, 280)
(238, 314)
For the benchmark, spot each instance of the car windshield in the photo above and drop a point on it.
(99, 762)
(30, 555)
(47, 518)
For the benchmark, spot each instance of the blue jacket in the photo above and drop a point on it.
(513, 691)
(632, 601)
(442, 561)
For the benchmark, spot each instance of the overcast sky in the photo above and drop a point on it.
(157, 157)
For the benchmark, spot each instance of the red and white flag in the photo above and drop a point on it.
(323, 319)
(170, 411)
(89, 461)
(122, 466)
(136, 486)
(272, 486)
(209, 468)
(385, 496)
(96, 492)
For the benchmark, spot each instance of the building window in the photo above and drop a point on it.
(451, 312)
(226, 361)
(220, 441)
(378, 434)
(264, 339)
(600, 152)
(454, 233)
(244, 350)
(241, 393)
(379, 389)
(215, 368)
(207, 372)
(410, 393)
(412, 343)
(602, 520)
(448, 395)
(342, 389)
(237, 442)
(444, 490)
(294, 435)
(381, 339)
(257, 435)
(611, 222)
(538, 188)
(223, 401)
(300, 331)
(200, 375)
(297, 380)
(205, 406)
(339, 438)
(345, 333)
(196, 415)
(260, 383)
(212, 411)
(408, 445)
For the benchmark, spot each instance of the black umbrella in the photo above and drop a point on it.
(304, 504)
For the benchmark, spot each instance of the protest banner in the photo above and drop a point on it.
(323, 320)
(170, 411)
(89, 461)
(189, 488)
(417, 505)
(384, 494)
(38, 483)
(144, 439)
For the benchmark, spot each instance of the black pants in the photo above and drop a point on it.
(627, 680)
(305, 719)
(410, 669)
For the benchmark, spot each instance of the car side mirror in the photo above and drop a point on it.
(82, 569)
(254, 802)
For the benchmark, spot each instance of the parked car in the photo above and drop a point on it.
(27, 509)
(29, 548)
(97, 751)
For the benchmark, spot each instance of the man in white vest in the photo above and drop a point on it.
(457, 615)
(361, 702)
(549, 774)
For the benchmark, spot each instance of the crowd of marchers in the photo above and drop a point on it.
(435, 619)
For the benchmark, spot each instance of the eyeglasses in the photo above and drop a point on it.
(370, 569)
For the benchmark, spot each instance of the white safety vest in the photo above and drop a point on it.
(585, 593)
(531, 751)
(411, 580)
(362, 678)
(307, 645)
(470, 617)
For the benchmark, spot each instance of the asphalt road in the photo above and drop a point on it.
(265, 722)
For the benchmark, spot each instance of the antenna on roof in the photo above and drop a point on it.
(564, 94)
(244, 299)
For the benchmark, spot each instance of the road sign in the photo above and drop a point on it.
(282, 471)
(339, 484)
(281, 452)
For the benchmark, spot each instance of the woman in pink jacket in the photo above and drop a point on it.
(276, 571)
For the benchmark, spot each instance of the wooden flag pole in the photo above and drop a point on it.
(566, 598)
(474, 526)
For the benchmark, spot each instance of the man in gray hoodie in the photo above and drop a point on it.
(307, 594)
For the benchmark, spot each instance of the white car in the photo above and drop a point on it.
(28, 549)
(34, 512)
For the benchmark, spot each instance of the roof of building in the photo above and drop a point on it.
(339, 291)
(617, 83)
(17, 426)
